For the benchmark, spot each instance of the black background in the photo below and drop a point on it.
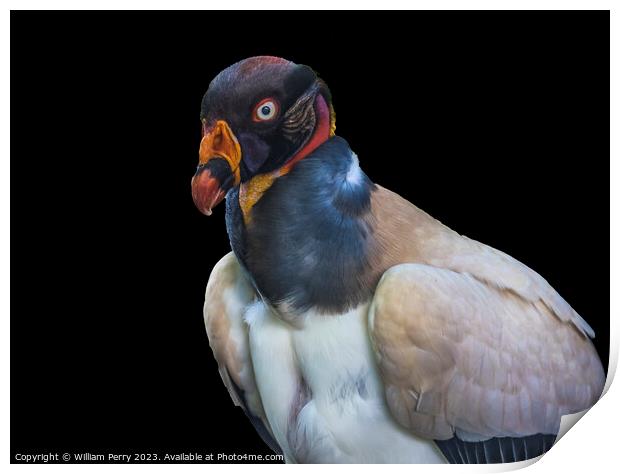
(495, 123)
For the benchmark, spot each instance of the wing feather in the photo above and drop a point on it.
(458, 353)
(227, 296)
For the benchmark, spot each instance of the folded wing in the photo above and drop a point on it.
(228, 295)
(462, 351)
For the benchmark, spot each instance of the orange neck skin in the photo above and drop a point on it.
(253, 190)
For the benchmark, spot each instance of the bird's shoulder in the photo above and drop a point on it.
(406, 234)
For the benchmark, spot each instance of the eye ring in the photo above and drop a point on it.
(266, 110)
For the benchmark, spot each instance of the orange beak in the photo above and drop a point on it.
(218, 167)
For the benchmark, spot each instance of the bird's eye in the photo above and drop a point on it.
(265, 110)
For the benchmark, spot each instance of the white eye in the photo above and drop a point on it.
(265, 110)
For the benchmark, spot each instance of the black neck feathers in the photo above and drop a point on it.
(309, 238)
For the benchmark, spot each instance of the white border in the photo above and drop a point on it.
(590, 447)
(314, 5)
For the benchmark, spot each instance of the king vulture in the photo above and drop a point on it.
(351, 326)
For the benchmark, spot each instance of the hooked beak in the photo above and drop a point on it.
(218, 167)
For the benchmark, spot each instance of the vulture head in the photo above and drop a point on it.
(259, 115)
